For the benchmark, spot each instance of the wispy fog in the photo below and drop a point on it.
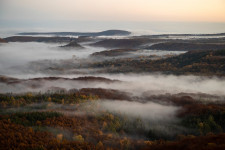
(15, 56)
(159, 53)
(150, 84)
(170, 83)
(146, 116)
(146, 111)
(150, 111)
(28, 60)
(31, 58)
(155, 117)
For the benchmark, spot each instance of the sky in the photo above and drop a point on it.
(114, 10)
(137, 16)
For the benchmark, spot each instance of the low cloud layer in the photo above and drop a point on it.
(15, 57)
(146, 111)
(136, 85)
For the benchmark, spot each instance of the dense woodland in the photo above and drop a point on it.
(49, 121)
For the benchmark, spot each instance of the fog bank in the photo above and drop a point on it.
(136, 85)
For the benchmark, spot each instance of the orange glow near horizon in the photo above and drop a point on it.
(116, 10)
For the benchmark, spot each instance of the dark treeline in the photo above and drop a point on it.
(193, 62)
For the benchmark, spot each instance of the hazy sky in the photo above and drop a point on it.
(114, 10)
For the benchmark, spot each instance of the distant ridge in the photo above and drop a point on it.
(72, 44)
(2, 40)
(103, 33)
(178, 35)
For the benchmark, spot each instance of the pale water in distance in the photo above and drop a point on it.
(137, 28)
